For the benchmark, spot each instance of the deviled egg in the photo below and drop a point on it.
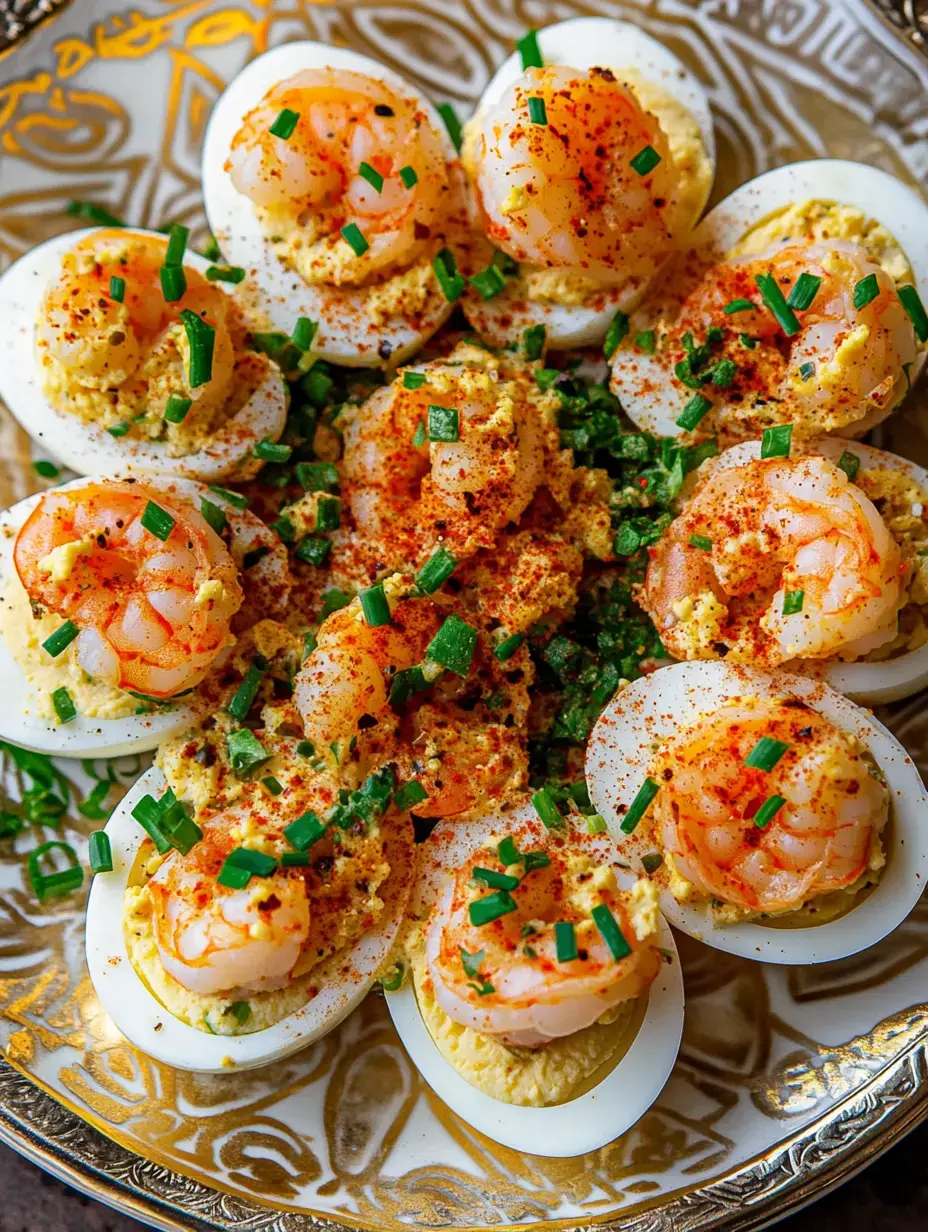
(590, 158)
(116, 598)
(228, 939)
(817, 560)
(545, 1004)
(124, 351)
(335, 186)
(779, 820)
(800, 301)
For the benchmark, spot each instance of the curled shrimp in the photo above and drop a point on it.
(152, 612)
(504, 978)
(822, 838)
(312, 178)
(212, 938)
(563, 192)
(134, 348)
(751, 534)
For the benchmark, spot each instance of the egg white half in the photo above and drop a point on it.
(621, 751)
(138, 733)
(87, 447)
(890, 679)
(278, 293)
(584, 43)
(343, 980)
(645, 384)
(590, 1120)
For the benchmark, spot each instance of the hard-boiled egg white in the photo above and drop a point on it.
(620, 1097)
(645, 383)
(20, 722)
(584, 43)
(648, 711)
(346, 331)
(89, 448)
(341, 981)
(877, 682)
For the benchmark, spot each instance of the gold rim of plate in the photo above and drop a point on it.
(74, 1117)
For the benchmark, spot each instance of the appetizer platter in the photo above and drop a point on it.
(456, 539)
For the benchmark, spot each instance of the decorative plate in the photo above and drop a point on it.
(789, 1079)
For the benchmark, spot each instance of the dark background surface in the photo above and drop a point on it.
(890, 1196)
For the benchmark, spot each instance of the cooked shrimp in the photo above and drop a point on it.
(822, 838)
(136, 349)
(563, 193)
(213, 939)
(844, 368)
(514, 986)
(765, 529)
(152, 613)
(463, 490)
(312, 177)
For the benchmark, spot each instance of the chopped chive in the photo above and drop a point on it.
(413, 380)
(213, 515)
(306, 748)
(443, 423)
(394, 978)
(419, 436)
(565, 941)
(507, 851)
(409, 795)
(866, 291)
(64, 705)
(850, 464)
(804, 291)
(436, 571)
(147, 812)
(702, 542)
(100, 853)
(491, 907)
(242, 864)
(768, 810)
(453, 646)
(234, 498)
(595, 824)
(445, 268)
(773, 297)
(495, 880)
(243, 697)
(176, 409)
(273, 786)
(177, 244)
(489, 282)
(766, 753)
(225, 273)
(201, 338)
(529, 51)
(646, 341)
(373, 177)
(294, 859)
(375, 607)
(61, 639)
(806, 370)
(723, 373)
(508, 646)
(328, 513)
(911, 301)
(117, 289)
(316, 476)
(48, 470)
(178, 826)
(409, 177)
(61, 882)
(615, 334)
(318, 383)
(747, 341)
(793, 601)
(776, 442)
(739, 305)
(173, 282)
(645, 160)
(93, 213)
(270, 451)
(157, 521)
(545, 806)
(452, 124)
(246, 752)
(284, 125)
(533, 341)
(306, 830)
(695, 410)
(610, 932)
(537, 112)
(240, 1011)
(639, 806)
(313, 550)
(652, 861)
(303, 333)
(355, 239)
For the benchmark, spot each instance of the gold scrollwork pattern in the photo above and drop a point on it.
(785, 1076)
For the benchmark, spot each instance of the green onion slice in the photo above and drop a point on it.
(375, 607)
(850, 464)
(645, 160)
(117, 289)
(565, 941)
(533, 341)
(176, 408)
(537, 112)
(452, 124)
(202, 338)
(776, 442)
(409, 177)
(912, 303)
(445, 268)
(173, 283)
(639, 806)
(436, 571)
(372, 175)
(610, 932)
(100, 853)
(765, 754)
(225, 273)
(408, 795)
(61, 639)
(489, 282)
(615, 334)
(64, 705)
(284, 125)
(804, 291)
(739, 305)
(157, 521)
(244, 696)
(793, 601)
(774, 299)
(508, 646)
(495, 880)
(306, 830)
(443, 423)
(529, 51)
(354, 237)
(63, 881)
(453, 645)
(703, 542)
(546, 807)
(695, 410)
(491, 907)
(768, 810)
(866, 291)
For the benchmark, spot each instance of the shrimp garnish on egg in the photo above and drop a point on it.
(151, 612)
(718, 579)
(713, 811)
